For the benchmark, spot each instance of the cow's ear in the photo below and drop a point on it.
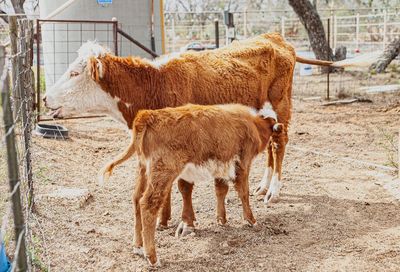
(95, 68)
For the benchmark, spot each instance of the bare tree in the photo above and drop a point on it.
(309, 17)
(390, 53)
(18, 6)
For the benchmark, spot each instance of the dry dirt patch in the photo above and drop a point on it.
(333, 215)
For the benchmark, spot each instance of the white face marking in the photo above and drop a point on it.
(209, 170)
(267, 111)
(76, 92)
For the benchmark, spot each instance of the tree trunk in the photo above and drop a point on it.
(390, 53)
(18, 6)
(312, 22)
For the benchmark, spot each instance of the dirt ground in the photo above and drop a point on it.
(336, 211)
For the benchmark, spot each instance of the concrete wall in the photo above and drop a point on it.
(61, 40)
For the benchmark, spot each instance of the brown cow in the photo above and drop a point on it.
(190, 142)
(249, 72)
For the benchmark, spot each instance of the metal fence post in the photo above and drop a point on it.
(173, 32)
(358, 31)
(38, 89)
(13, 176)
(334, 31)
(384, 29)
(329, 70)
(216, 25)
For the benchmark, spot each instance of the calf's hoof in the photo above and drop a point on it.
(251, 222)
(271, 197)
(221, 220)
(183, 230)
(138, 251)
(162, 225)
(153, 261)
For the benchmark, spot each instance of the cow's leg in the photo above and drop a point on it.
(278, 150)
(262, 188)
(279, 95)
(140, 186)
(165, 213)
(159, 184)
(186, 226)
(242, 187)
(221, 190)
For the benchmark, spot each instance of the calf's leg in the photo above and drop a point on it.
(242, 187)
(165, 213)
(221, 190)
(159, 185)
(140, 186)
(186, 226)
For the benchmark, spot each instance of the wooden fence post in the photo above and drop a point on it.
(25, 83)
(13, 29)
(20, 259)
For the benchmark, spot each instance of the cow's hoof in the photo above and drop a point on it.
(262, 188)
(183, 230)
(271, 197)
(273, 191)
(138, 251)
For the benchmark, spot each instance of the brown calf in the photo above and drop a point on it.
(195, 143)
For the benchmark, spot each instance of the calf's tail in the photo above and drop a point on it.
(106, 171)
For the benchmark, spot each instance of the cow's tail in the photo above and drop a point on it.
(364, 60)
(106, 171)
(314, 61)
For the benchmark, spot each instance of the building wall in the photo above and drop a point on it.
(61, 40)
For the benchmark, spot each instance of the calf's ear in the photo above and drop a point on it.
(278, 127)
(95, 68)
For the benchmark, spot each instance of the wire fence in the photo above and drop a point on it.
(358, 30)
(17, 98)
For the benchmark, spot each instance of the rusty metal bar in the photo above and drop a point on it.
(127, 36)
(73, 117)
(76, 21)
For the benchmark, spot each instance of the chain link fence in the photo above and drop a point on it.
(17, 97)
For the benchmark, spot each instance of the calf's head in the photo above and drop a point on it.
(77, 91)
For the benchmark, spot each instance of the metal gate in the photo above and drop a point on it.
(57, 42)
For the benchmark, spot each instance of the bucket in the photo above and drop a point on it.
(305, 69)
(4, 263)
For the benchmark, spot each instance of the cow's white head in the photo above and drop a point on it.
(76, 91)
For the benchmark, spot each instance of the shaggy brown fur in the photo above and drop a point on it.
(167, 140)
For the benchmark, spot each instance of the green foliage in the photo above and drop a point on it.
(34, 251)
(389, 144)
